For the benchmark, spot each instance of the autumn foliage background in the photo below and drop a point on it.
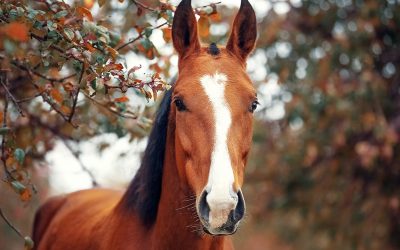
(325, 167)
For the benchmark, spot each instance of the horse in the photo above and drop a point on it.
(187, 191)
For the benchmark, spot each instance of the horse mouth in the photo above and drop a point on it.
(223, 230)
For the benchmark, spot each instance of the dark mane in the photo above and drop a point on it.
(143, 194)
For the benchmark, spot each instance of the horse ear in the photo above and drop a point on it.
(244, 31)
(184, 30)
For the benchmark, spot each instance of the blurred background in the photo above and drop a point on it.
(324, 171)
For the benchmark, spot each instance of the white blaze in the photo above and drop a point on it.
(220, 179)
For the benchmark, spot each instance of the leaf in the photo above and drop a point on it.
(18, 186)
(25, 195)
(167, 34)
(215, 17)
(16, 31)
(101, 2)
(19, 155)
(56, 95)
(69, 33)
(65, 109)
(112, 52)
(204, 26)
(121, 99)
(4, 130)
(28, 243)
(134, 68)
(68, 86)
(61, 14)
(85, 12)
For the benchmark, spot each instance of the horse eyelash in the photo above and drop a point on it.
(180, 105)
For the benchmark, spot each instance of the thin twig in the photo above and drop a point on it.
(3, 141)
(77, 94)
(139, 37)
(137, 3)
(134, 117)
(10, 224)
(11, 96)
(27, 99)
(84, 168)
(47, 100)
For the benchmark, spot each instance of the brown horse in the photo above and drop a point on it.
(187, 192)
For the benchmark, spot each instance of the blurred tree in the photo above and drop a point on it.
(329, 170)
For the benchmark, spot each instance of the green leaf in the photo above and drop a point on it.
(18, 186)
(19, 154)
(148, 32)
(69, 33)
(60, 14)
(4, 130)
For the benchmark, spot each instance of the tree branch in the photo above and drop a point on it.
(137, 3)
(139, 37)
(3, 141)
(84, 168)
(10, 224)
(77, 94)
(47, 100)
(133, 117)
(11, 96)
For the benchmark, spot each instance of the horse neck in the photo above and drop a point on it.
(177, 225)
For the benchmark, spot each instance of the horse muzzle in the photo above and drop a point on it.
(221, 215)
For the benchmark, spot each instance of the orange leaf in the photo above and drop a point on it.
(167, 34)
(25, 195)
(204, 25)
(85, 12)
(16, 31)
(113, 66)
(121, 99)
(112, 52)
(56, 95)
(89, 47)
(68, 86)
(65, 109)
(215, 17)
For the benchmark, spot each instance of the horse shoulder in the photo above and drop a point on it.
(74, 220)
(44, 216)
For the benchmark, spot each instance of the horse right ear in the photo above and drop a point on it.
(184, 30)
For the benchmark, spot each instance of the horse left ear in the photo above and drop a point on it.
(244, 32)
(184, 30)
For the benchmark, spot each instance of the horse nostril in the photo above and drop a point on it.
(204, 209)
(240, 208)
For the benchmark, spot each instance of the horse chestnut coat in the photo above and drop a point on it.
(187, 192)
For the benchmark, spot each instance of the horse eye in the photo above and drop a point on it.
(253, 106)
(180, 105)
